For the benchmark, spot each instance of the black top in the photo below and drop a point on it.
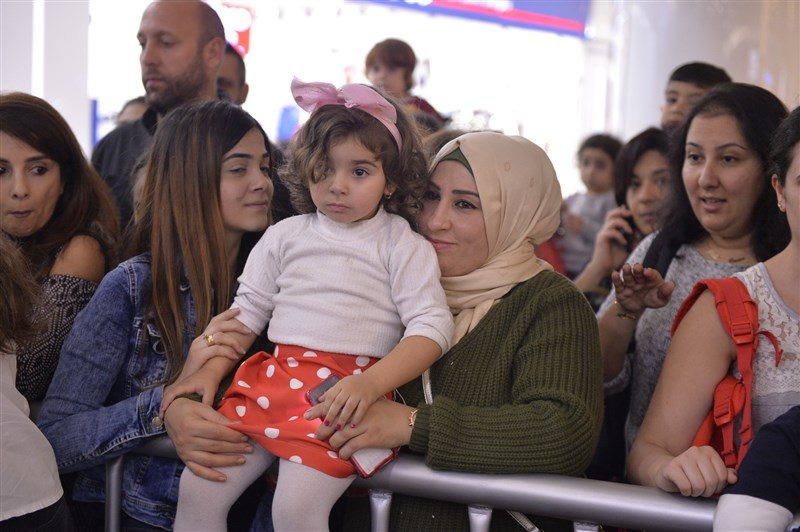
(116, 156)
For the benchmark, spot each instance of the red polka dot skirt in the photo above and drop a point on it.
(268, 397)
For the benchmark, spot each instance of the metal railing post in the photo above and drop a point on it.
(380, 506)
(480, 518)
(113, 513)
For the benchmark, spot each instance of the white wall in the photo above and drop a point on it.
(44, 51)
(756, 42)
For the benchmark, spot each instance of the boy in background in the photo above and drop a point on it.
(687, 84)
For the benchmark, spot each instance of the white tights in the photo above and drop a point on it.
(303, 499)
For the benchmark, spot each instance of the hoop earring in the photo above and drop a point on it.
(388, 196)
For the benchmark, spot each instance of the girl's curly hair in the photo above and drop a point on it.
(407, 169)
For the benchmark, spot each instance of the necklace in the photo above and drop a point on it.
(716, 256)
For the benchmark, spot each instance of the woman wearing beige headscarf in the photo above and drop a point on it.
(520, 391)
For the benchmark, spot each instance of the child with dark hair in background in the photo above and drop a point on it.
(687, 84)
(584, 213)
(390, 66)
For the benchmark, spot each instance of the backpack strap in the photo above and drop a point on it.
(738, 314)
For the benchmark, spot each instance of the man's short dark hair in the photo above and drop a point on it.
(703, 75)
(241, 70)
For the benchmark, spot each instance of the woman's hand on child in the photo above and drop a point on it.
(203, 440)
(203, 382)
(638, 288)
(696, 472)
(215, 341)
(349, 400)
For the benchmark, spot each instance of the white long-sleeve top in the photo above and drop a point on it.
(30, 476)
(356, 288)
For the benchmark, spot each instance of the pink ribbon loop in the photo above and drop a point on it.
(312, 96)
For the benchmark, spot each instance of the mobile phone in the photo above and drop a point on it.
(313, 394)
(366, 461)
(630, 238)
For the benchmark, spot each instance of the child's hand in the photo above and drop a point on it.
(203, 382)
(349, 400)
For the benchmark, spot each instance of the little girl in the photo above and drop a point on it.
(347, 289)
(584, 213)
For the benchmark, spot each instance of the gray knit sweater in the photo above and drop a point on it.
(643, 366)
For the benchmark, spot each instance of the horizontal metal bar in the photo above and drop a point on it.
(576, 499)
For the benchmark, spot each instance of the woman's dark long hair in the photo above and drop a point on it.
(18, 294)
(651, 139)
(85, 207)
(758, 113)
(782, 147)
(179, 219)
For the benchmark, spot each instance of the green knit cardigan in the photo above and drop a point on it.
(521, 393)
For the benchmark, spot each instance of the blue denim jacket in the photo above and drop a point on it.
(106, 394)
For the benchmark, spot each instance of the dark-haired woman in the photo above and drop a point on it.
(60, 214)
(702, 353)
(206, 192)
(721, 219)
(641, 184)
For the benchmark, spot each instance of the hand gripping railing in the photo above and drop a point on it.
(577, 499)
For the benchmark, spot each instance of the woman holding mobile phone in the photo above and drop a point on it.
(641, 184)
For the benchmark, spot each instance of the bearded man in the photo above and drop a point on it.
(182, 45)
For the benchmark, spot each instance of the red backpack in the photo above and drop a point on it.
(732, 397)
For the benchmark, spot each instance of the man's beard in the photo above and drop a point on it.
(179, 90)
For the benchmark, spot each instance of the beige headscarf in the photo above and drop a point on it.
(521, 202)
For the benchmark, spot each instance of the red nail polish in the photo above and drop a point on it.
(338, 426)
(352, 425)
(327, 423)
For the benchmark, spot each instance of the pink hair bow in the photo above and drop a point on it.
(312, 96)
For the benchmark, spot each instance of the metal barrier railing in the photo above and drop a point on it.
(576, 499)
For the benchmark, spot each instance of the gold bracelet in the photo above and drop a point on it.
(412, 418)
(624, 315)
